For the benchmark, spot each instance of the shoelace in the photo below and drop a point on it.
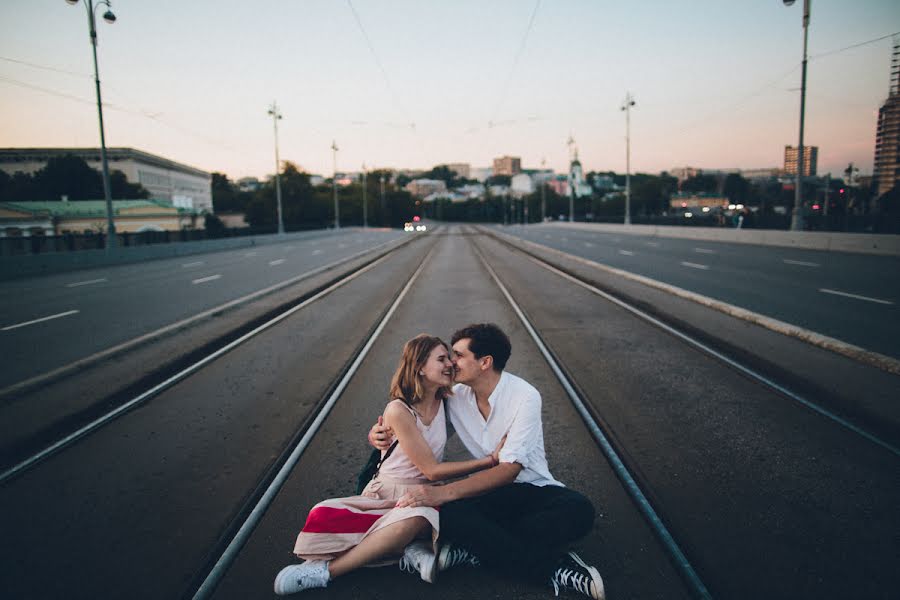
(569, 578)
(460, 556)
(407, 565)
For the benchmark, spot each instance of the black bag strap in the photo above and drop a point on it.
(384, 458)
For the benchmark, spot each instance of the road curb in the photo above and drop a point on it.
(875, 359)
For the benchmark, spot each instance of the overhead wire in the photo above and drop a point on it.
(504, 92)
(378, 62)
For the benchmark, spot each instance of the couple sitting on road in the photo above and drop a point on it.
(509, 514)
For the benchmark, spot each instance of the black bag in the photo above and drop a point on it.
(371, 469)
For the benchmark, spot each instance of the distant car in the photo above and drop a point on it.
(420, 228)
(408, 227)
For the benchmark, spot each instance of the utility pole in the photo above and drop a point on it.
(797, 214)
(383, 206)
(543, 193)
(276, 116)
(629, 102)
(337, 214)
(365, 210)
(570, 143)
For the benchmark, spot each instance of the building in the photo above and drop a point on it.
(464, 170)
(765, 173)
(165, 179)
(24, 219)
(682, 174)
(481, 174)
(692, 200)
(887, 135)
(810, 160)
(521, 185)
(421, 188)
(507, 165)
(577, 183)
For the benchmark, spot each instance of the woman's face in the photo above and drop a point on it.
(438, 369)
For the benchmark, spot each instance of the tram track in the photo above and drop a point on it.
(319, 457)
(63, 431)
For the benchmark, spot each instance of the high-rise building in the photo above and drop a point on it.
(810, 160)
(507, 165)
(887, 136)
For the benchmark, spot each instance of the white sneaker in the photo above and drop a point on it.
(418, 558)
(296, 578)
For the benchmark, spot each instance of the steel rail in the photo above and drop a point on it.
(748, 372)
(99, 422)
(631, 486)
(231, 552)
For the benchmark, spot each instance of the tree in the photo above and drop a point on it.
(69, 176)
(121, 189)
(499, 180)
(700, 184)
(736, 189)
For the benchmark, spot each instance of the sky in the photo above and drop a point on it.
(417, 83)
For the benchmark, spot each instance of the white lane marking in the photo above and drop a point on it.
(316, 252)
(56, 316)
(250, 254)
(858, 297)
(588, 245)
(565, 239)
(205, 279)
(654, 244)
(626, 252)
(342, 246)
(695, 265)
(277, 261)
(801, 263)
(288, 247)
(192, 264)
(88, 282)
(704, 251)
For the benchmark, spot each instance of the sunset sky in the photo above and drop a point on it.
(422, 82)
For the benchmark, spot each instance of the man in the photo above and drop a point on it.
(514, 516)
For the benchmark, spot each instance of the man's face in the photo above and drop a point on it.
(468, 368)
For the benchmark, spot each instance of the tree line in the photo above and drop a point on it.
(68, 176)
(308, 206)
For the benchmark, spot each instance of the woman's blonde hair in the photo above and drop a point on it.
(407, 383)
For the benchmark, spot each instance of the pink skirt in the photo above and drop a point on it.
(337, 525)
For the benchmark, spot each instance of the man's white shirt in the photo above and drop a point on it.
(516, 413)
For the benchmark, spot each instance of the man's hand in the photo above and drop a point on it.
(422, 495)
(380, 436)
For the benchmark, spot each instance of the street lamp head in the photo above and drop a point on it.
(109, 17)
(788, 2)
(72, 2)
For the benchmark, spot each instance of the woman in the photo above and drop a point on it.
(344, 534)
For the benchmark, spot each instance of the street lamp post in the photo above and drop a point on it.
(365, 207)
(109, 17)
(337, 214)
(543, 193)
(797, 214)
(629, 102)
(383, 206)
(276, 116)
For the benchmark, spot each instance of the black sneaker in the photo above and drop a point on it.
(451, 556)
(577, 575)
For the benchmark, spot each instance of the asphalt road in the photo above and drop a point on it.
(53, 320)
(767, 498)
(852, 297)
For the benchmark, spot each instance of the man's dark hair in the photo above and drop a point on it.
(486, 339)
